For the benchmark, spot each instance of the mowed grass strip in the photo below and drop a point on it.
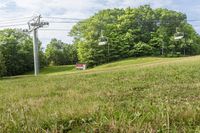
(147, 95)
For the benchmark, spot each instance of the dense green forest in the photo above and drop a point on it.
(59, 53)
(130, 32)
(134, 32)
(16, 53)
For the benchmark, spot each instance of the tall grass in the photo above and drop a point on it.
(143, 95)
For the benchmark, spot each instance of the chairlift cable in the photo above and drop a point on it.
(12, 25)
(54, 29)
(13, 19)
(64, 18)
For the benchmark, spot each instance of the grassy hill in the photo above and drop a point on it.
(135, 95)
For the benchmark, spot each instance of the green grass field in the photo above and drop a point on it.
(135, 95)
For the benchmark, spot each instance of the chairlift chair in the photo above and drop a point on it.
(178, 35)
(103, 41)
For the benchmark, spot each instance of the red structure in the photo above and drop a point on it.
(81, 66)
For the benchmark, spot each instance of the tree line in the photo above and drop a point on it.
(16, 53)
(130, 32)
(134, 32)
(59, 53)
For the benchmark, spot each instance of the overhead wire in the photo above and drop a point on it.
(13, 22)
(54, 29)
(14, 19)
(64, 18)
(64, 22)
(13, 25)
(72, 20)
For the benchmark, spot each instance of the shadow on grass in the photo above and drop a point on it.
(57, 69)
(43, 71)
(16, 77)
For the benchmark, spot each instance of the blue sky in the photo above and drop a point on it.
(84, 9)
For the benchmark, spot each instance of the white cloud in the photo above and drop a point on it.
(63, 8)
(136, 3)
(2, 5)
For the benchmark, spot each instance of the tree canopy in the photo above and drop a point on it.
(16, 52)
(2, 65)
(59, 53)
(133, 32)
(130, 32)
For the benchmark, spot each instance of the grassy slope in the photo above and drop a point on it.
(55, 70)
(135, 95)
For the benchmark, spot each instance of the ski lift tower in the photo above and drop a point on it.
(34, 24)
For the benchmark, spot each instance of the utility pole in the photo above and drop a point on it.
(35, 52)
(34, 24)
